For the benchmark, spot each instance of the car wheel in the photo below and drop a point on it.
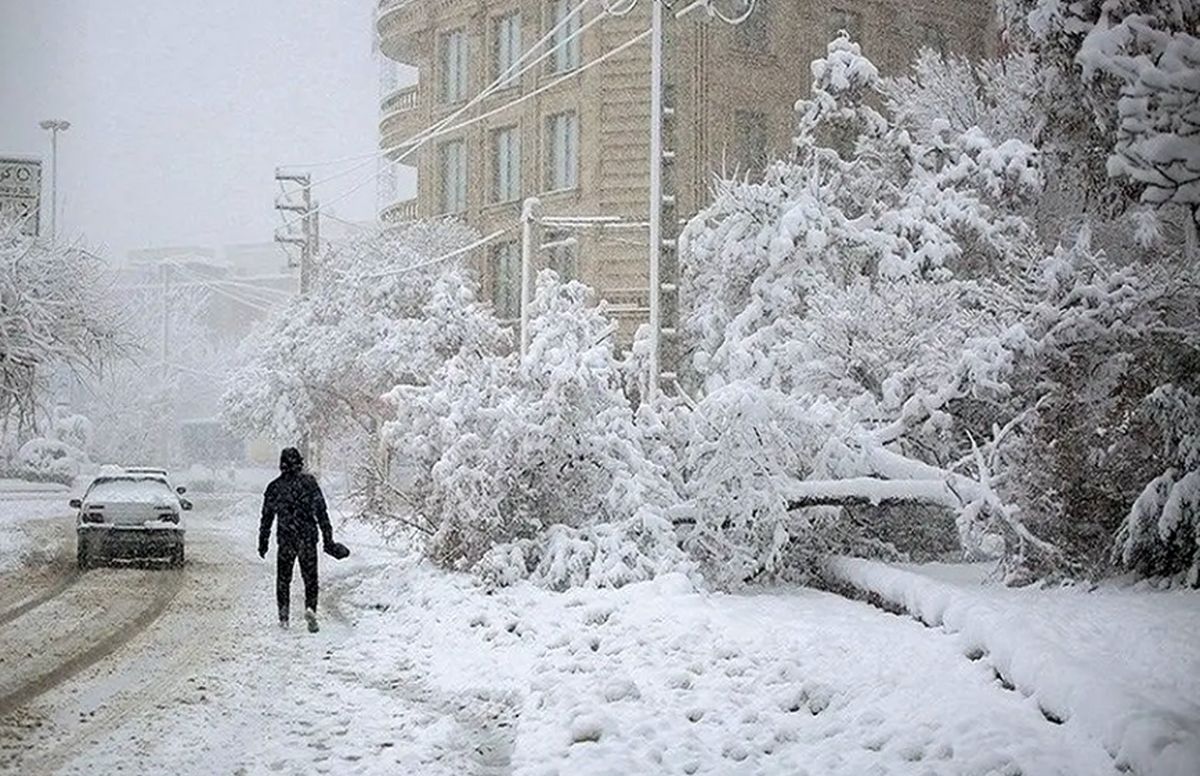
(82, 558)
(177, 556)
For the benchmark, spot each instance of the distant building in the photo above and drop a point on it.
(583, 147)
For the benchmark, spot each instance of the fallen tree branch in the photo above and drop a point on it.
(869, 491)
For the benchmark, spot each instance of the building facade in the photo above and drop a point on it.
(582, 146)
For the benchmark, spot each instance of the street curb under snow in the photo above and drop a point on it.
(1151, 736)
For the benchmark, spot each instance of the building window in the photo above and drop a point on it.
(506, 280)
(750, 136)
(454, 66)
(561, 255)
(751, 34)
(506, 47)
(566, 48)
(931, 36)
(506, 164)
(452, 158)
(850, 21)
(562, 151)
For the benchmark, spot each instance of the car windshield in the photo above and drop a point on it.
(148, 490)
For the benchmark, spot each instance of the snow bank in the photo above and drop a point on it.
(1122, 666)
(29, 534)
(657, 677)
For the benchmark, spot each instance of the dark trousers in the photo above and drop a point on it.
(286, 557)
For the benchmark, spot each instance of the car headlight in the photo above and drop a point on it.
(93, 517)
(168, 517)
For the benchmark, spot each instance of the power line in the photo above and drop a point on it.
(515, 70)
(444, 257)
(437, 129)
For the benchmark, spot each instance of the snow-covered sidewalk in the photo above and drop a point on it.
(659, 678)
(1120, 665)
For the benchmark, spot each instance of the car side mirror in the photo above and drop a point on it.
(181, 490)
(185, 505)
(76, 503)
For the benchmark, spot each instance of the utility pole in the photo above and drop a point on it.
(54, 126)
(165, 268)
(664, 265)
(656, 190)
(664, 221)
(308, 240)
(309, 237)
(531, 213)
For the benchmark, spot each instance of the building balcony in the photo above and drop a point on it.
(398, 101)
(400, 120)
(398, 22)
(399, 212)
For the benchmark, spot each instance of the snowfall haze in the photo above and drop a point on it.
(592, 387)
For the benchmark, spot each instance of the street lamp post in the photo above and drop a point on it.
(55, 126)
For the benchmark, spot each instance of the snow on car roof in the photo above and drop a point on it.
(149, 490)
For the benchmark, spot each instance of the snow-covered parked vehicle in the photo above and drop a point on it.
(159, 473)
(130, 517)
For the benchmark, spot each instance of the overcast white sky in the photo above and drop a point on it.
(181, 110)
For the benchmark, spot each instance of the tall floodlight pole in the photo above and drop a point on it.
(656, 190)
(54, 126)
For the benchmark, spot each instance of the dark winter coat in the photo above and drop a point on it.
(295, 500)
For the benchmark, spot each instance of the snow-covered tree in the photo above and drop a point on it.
(856, 308)
(1119, 76)
(1161, 534)
(54, 314)
(382, 312)
(536, 468)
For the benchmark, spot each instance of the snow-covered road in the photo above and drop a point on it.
(419, 671)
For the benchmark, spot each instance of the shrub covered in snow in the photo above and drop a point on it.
(50, 459)
(535, 468)
(1161, 534)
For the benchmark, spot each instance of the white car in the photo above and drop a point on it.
(129, 517)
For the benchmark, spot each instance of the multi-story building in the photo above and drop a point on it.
(582, 147)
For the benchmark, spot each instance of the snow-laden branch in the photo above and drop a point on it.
(869, 491)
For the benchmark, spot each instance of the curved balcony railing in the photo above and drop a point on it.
(398, 101)
(389, 24)
(399, 212)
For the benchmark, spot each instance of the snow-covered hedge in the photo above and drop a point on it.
(1104, 680)
(535, 468)
(1161, 534)
(50, 460)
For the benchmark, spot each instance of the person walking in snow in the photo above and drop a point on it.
(294, 501)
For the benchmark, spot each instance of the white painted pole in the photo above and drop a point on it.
(656, 189)
(54, 126)
(53, 183)
(530, 213)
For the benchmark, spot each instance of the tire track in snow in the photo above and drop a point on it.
(56, 588)
(85, 645)
(137, 677)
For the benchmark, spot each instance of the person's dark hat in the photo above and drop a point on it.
(290, 460)
(337, 550)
